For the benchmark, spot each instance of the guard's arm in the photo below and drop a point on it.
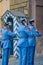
(37, 34)
(28, 32)
(11, 34)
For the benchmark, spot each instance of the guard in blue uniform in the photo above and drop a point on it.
(32, 42)
(6, 44)
(23, 41)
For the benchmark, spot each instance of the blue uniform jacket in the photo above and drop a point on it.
(23, 36)
(32, 39)
(6, 37)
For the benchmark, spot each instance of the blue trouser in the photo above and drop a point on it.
(26, 55)
(23, 55)
(30, 55)
(5, 56)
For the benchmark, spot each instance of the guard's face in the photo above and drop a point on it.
(7, 26)
(25, 23)
(33, 23)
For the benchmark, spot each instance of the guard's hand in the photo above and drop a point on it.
(37, 30)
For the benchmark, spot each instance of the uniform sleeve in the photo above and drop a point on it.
(11, 34)
(28, 32)
(37, 34)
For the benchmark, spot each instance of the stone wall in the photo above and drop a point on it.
(4, 5)
(19, 5)
(39, 24)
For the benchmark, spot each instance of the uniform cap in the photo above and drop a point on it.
(6, 23)
(23, 19)
(31, 20)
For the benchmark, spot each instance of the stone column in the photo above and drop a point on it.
(32, 9)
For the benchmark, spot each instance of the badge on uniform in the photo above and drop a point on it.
(28, 29)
